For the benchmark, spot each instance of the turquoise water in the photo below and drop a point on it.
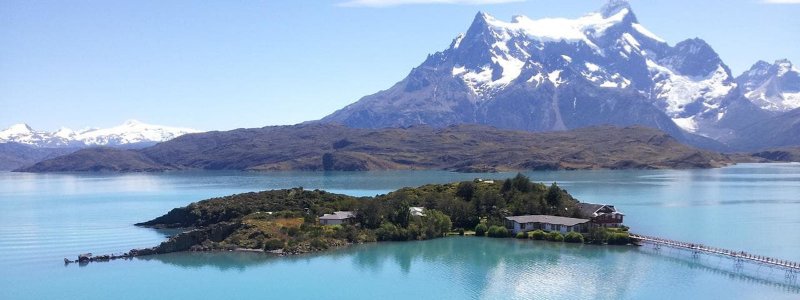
(751, 207)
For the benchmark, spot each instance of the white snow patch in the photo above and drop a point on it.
(538, 78)
(567, 58)
(558, 29)
(459, 70)
(687, 124)
(677, 90)
(555, 77)
(592, 67)
(638, 27)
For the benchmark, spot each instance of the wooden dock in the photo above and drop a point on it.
(792, 268)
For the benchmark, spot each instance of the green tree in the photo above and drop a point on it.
(522, 183)
(370, 214)
(399, 213)
(553, 196)
(466, 190)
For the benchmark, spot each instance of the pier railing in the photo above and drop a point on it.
(792, 268)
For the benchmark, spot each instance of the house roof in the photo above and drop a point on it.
(339, 215)
(589, 210)
(417, 211)
(547, 219)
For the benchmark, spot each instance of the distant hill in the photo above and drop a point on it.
(457, 148)
(15, 155)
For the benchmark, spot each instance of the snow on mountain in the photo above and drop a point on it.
(130, 133)
(773, 87)
(556, 73)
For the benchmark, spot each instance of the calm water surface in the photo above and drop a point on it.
(751, 207)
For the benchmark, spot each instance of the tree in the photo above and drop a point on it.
(370, 214)
(522, 183)
(399, 213)
(553, 196)
(465, 190)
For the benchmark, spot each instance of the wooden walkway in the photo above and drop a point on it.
(791, 267)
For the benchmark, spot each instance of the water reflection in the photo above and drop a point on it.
(497, 268)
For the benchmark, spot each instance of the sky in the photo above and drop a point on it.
(219, 65)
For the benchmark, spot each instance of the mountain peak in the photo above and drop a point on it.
(132, 122)
(18, 128)
(613, 7)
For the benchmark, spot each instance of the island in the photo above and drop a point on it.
(296, 220)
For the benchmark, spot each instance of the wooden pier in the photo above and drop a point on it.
(792, 268)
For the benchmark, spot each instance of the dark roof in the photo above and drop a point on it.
(587, 210)
(547, 219)
(339, 215)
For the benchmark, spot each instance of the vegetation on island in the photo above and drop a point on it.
(287, 220)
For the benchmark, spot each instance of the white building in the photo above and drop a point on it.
(336, 218)
(547, 223)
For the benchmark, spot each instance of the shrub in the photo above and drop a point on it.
(480, 230)
(555, 236)
(522, 235)
(619, 239)
(498, 231)
(537, 234)
(573, 237)
(318, 243)
(273, 244)
(460, 231)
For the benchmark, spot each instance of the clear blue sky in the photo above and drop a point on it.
(229, 64)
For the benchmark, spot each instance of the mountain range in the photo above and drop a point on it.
(131, 134)
(603, 68)
(20, 145)
(338, 148)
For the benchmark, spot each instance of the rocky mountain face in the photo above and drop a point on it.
(773, 87)
(132, 134)
(559, 74)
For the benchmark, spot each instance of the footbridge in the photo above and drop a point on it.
(792, 268)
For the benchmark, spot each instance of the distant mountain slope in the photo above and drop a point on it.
(15, 155)
(461, 148)
(131, 134)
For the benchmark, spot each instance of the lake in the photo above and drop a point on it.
(751, 207)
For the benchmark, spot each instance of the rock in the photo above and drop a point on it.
(86, 257)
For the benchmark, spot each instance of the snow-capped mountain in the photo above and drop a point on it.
(774, 87)
(130, 134)
(557, 74)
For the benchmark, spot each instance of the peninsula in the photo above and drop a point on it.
(294, 221)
